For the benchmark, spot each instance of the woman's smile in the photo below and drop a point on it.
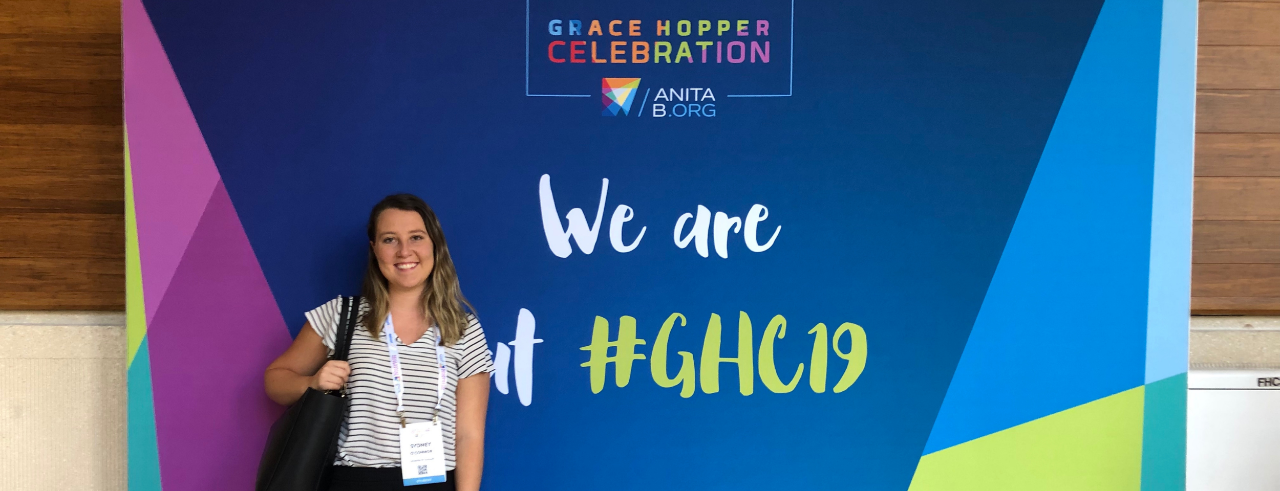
(403, 249)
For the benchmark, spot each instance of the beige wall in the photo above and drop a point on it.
(62, 401)
(1235, 343)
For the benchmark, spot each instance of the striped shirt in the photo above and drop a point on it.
(370, 435)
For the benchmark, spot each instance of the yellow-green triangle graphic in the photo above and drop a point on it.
(135, 310)
(1095, 446)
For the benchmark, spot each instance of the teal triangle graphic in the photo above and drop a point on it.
(1164, 435)
(144, 455)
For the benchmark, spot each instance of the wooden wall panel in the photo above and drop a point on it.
(60, 101)
(60, 17)
(1237, 111)
(1236, 244)
(1237, 198)
(1239, 67)
(82, 283)
(69, 163)
(61, 155)
(1237, 154)
(95, 236)
(1234, 288)
(1239, 23)
(1237, 280)
(69, 56)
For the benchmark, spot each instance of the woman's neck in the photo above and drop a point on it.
(405, 300)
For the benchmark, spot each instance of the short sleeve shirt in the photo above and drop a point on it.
(370, 435)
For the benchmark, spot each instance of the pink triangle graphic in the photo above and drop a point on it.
(173, 172)
(212, 337)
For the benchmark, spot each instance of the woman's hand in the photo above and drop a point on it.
(332, 376)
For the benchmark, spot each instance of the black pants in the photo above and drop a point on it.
(344, 478)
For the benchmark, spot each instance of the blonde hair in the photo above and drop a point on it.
(442, 297)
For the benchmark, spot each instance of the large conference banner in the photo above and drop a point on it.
(743, 245)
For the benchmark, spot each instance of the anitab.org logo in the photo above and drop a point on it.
(619, 93)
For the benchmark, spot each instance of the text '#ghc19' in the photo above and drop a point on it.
(709, 367)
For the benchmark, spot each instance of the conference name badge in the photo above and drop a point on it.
(422, 453)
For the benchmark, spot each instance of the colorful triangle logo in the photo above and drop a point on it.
(619, 93)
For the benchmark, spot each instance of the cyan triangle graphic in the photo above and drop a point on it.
(143, 452)
(1062, 321)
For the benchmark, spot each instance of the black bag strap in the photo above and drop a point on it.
(346, 327)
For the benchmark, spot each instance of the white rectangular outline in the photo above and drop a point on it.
(790, 74)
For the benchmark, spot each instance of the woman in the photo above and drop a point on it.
(412, 303)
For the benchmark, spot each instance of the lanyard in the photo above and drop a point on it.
(389, 335)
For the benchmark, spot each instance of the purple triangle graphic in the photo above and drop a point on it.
(213, 335)
(173, 172)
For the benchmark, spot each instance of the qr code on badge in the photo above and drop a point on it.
(422, 470)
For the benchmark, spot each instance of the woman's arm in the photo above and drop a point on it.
(473, 403)
(303, 366)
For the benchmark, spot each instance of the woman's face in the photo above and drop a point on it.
(404, 251)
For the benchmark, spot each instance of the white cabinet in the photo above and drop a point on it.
(1233, 430)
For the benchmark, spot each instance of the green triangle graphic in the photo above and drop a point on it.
(135, 308)
(1095, 446)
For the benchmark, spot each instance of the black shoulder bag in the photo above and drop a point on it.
(303, 442)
